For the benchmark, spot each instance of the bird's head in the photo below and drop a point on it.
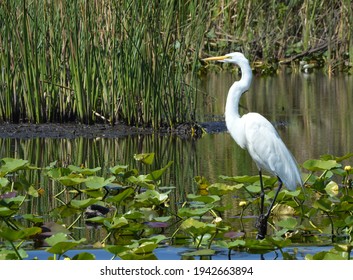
(234, 57)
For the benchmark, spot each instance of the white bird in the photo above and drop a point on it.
(255, 133)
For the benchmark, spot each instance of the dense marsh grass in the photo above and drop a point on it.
(135, 61)
(121, 61)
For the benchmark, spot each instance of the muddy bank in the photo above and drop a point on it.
(74, 130)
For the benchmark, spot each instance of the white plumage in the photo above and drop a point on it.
(256, 134)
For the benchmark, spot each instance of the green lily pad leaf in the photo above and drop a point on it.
(116, 249)
(332, 188)
(130, 255)
(155, 239)
(192, 212)
(10, 165)
(71, 180)
(223, 189)
(327, 255)
(134, 215)
(236, 244)
(84, 203)
(157, 174)
(84, 171)
(97, 220)
(146, 248)
(145, 158)
(317, 164)
(56, 228)
(201, 252)
(33, 218)
(260, 246)
(338, 159)
(13, 235)
(244, 179)
(28, 232)
(349, 221)
(253, 188)
(60, 243)
(344, 247)
(289, 223)
(5, 212)
(196, 228)
(84, 256)
(116, 223)
(33, 192)
(143, 181)
(56, 173)
(121, 196)
(95, 182)
(56, 238)
(162, 219)
(13, 202)
(292, 193)
(151, 197)
(4, 182)
(204, 198)
(280, 242)
(65, 211)
(323, 204)
(118, 169)
(11, 255)
(62, 247)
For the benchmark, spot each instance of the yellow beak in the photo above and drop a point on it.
(216, 58)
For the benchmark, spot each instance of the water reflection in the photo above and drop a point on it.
(311, 112)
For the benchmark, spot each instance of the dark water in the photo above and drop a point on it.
(312, 112)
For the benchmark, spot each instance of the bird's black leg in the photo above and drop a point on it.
(262, 220)
(261, 223)
(262, 194)
(280, 184)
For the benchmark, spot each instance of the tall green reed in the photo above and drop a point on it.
(135, 62)
(121, 61)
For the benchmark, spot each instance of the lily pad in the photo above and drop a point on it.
(82, 203)
(84, 171)
(13, 235)
(60, 243)
(72, 180)
(118, 169)
(192, 212)
(95, 182)
(146, 158)
(204, 198)
(318, 164)
(143, 181)
(157, 174)
(150, 198)
(196, 228)
(121, 196)
(289, 223)
(4, 182)
(201, 252)
(10, 165)
(223, 189)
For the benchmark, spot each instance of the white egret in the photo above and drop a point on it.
(255, 133)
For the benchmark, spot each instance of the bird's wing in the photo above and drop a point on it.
(268, 150)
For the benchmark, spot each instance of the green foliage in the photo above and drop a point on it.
(115, 61)
(132, 209)
(134, 62)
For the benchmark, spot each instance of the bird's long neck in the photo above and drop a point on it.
(236, 91)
